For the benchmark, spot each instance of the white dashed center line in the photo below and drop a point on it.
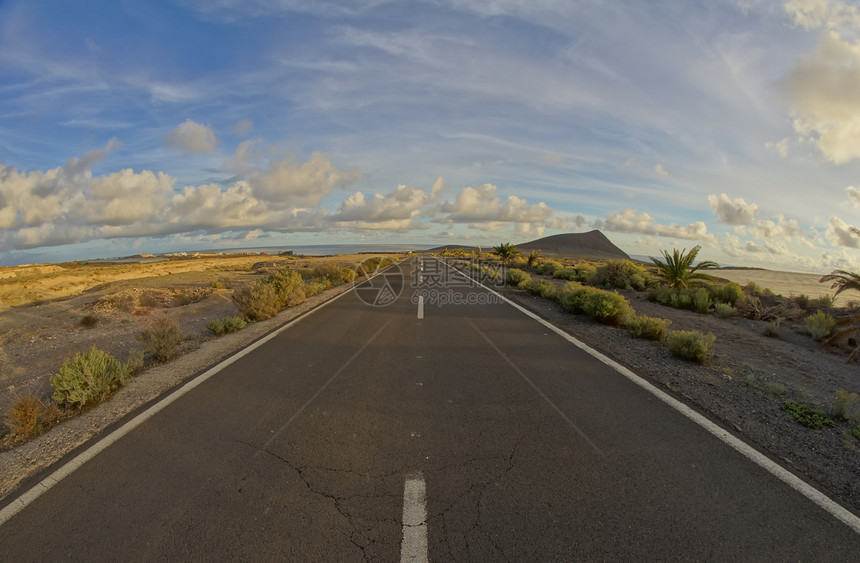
(420, 306)
(414, 546)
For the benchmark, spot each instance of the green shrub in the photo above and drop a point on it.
(257, 301)
(316, 286)
(88, 377)
(548, 267)
(651, 328)
(371, 265)
(134, 362)
(819, 325)
(701, 301)
(682, 300)
(518, 262)
(337, 275)
(604, 306)
(569, 273)
(541, 288)
(728, 293)
(516, 277)
(690, 344)
(162, 339)
(752, 288)
(846, 406)
(289, 287)
(808, 416)
(664, 295)
(621, 274)
(724, 310)
(490, 272)
(570, 296)
(226, 325)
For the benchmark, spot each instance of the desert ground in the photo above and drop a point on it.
(50, 312)
(787, 284)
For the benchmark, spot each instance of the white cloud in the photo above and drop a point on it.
(68, 205)
(192, 138)
(853, 194)
(638, 168)
(839, 233)
(244, 162)
(77, 166)
(628, 221)
(481, 208)
(827, 14)
(125, 197)
(737, 212)
(782, 228)
(288, 183)
(824, 92)
(840, 261)
(394, 211)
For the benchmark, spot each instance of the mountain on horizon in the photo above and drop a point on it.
(592, 244)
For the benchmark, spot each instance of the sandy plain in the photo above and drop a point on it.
(787, 284)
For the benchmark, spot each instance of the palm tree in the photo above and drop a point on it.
(678, 270)
(843, 280)
(506, 251)
(532, 258)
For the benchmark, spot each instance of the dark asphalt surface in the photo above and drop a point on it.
(530, 449)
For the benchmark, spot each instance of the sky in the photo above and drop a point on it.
(129, 127)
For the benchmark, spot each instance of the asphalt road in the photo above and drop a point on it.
(528, 449)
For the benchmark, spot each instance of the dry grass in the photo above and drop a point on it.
(30, 416)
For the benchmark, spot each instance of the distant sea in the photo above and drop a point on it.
(328, 250)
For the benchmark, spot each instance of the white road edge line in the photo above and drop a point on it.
(835, 509)
(420, 306)
(42, 487)
(414, 545)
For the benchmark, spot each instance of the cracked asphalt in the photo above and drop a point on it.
(530, 449)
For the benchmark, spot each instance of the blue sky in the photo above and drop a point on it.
(128, 127)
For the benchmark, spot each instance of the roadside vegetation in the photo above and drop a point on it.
(88, 378)
(679, 280)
